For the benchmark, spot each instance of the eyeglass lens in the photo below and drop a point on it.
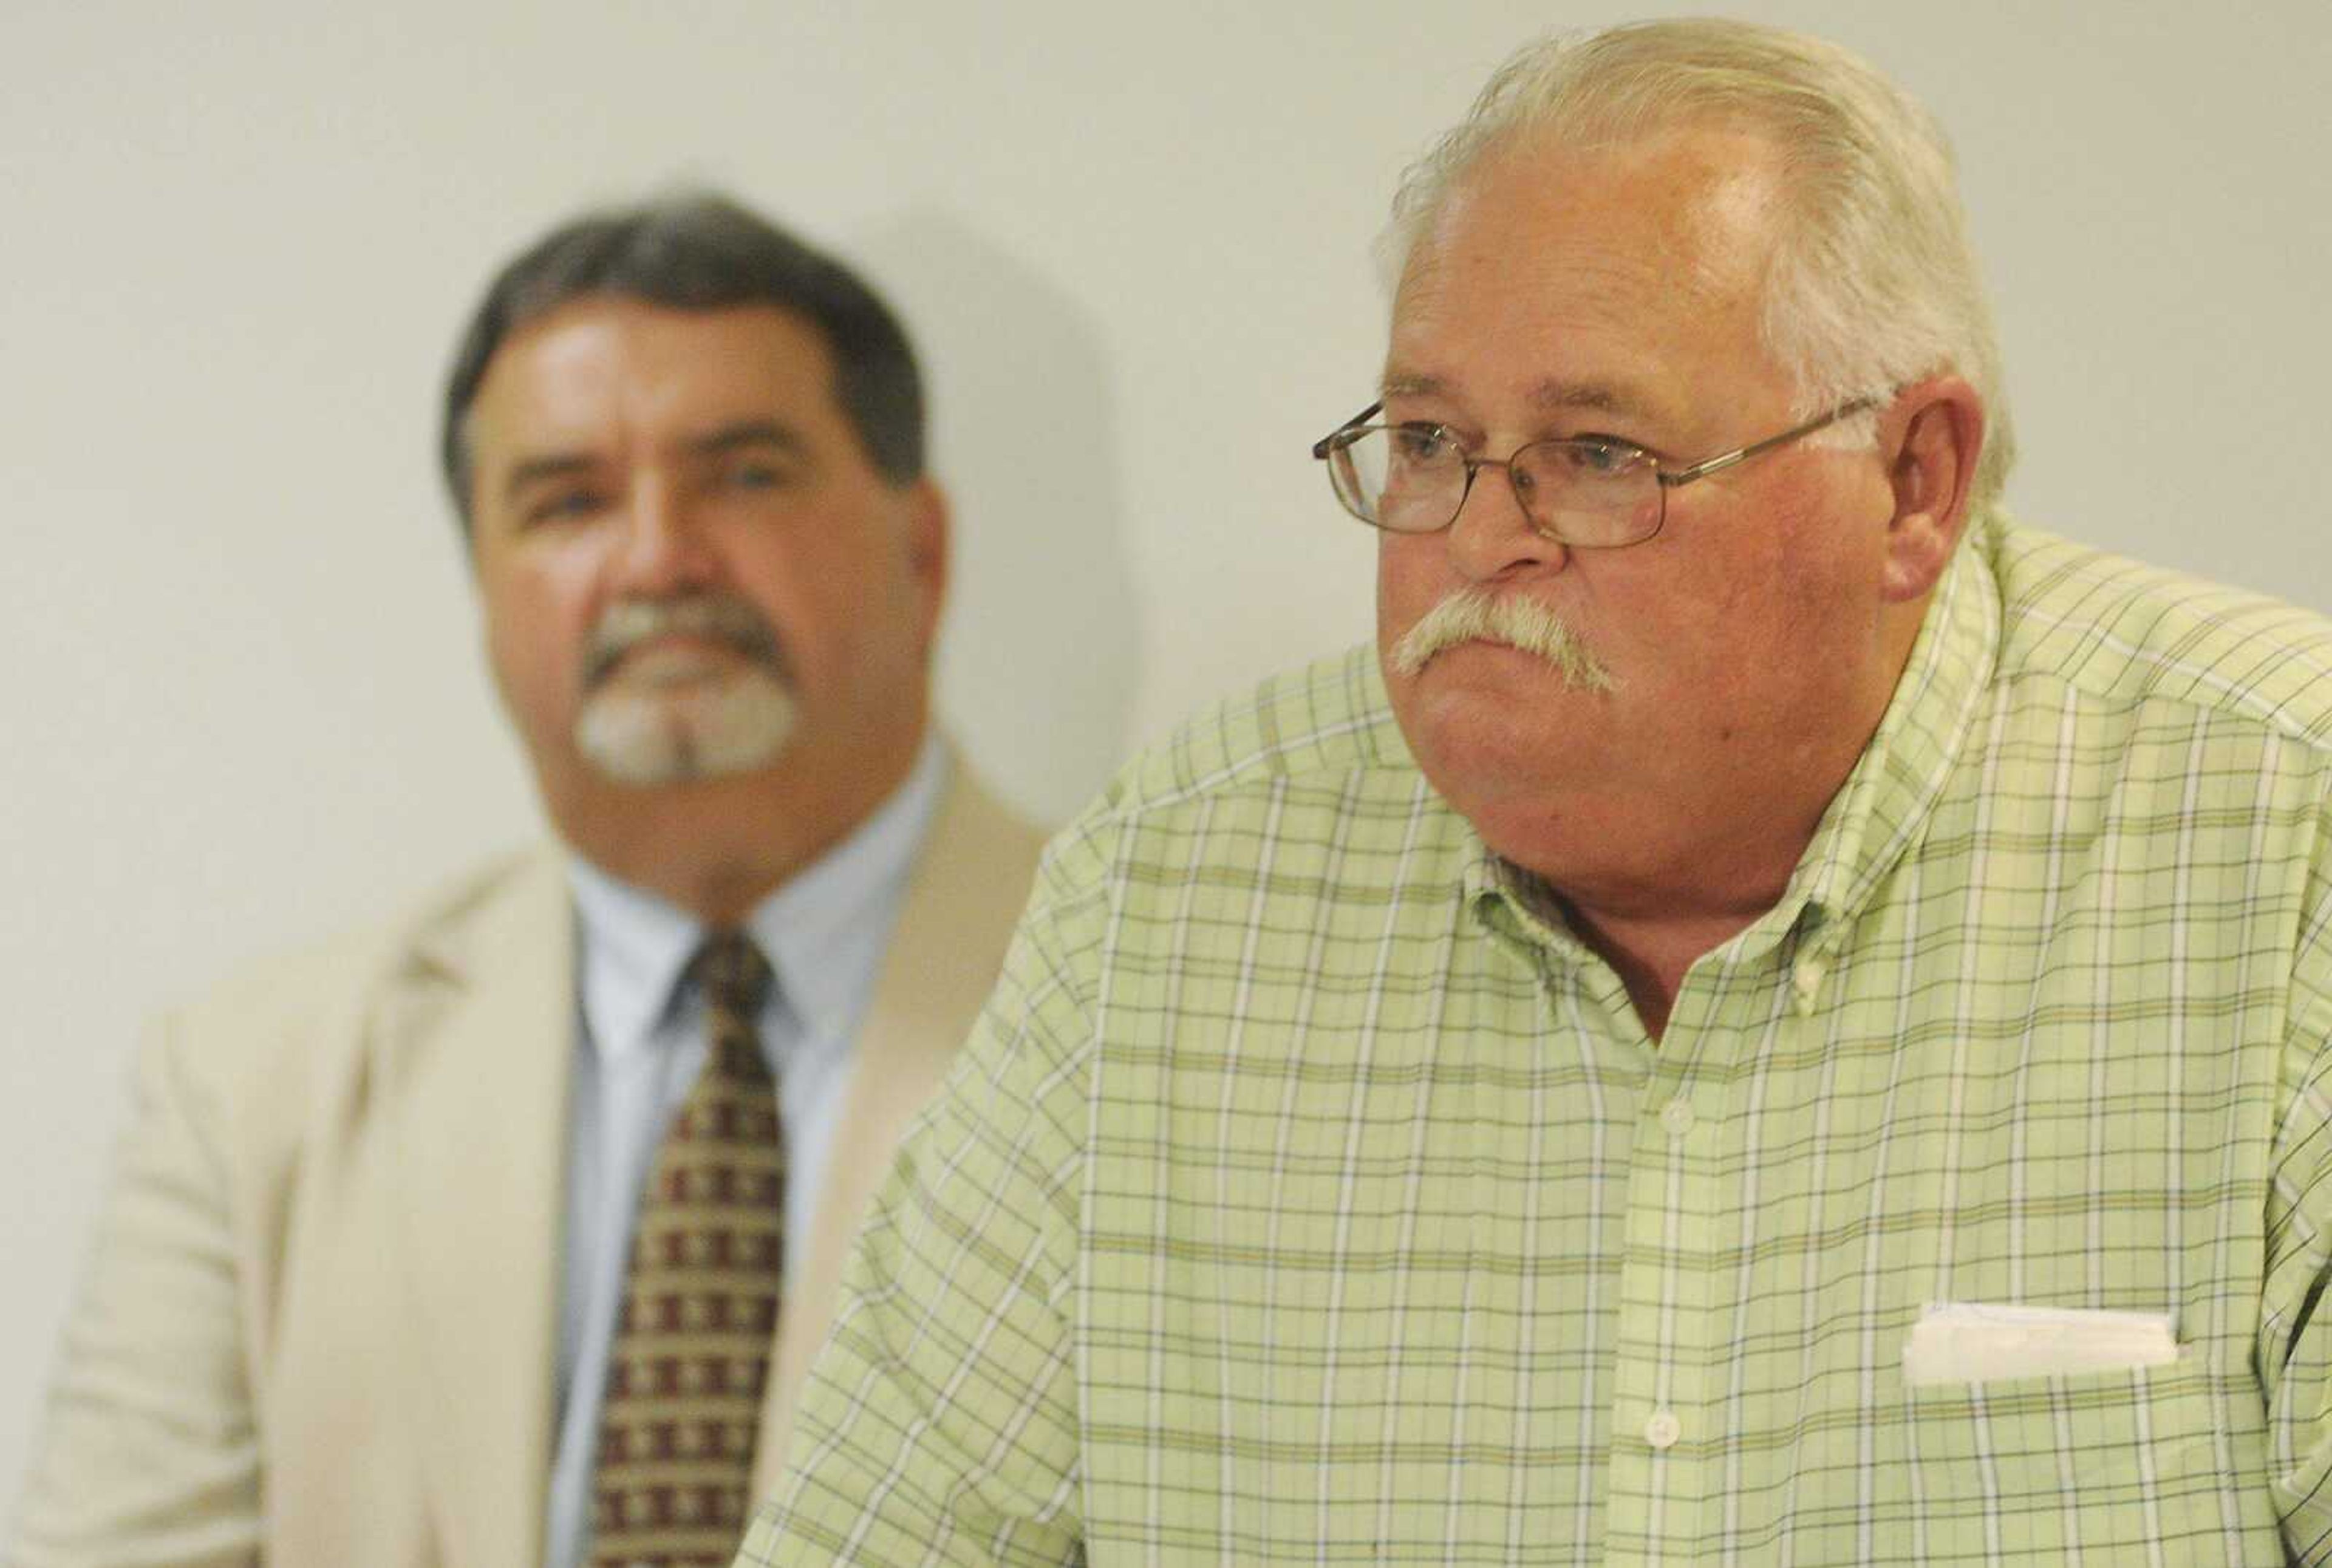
(1415, 480)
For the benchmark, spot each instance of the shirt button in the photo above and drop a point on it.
(1663, 1429)
(1677, 1117)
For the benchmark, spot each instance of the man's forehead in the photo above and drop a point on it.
(1592, 257)
(1546, 394)
(600, 366)
(1696, 202)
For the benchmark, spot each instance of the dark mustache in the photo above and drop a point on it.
(725, 619)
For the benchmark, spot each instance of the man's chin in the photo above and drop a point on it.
(696, 734)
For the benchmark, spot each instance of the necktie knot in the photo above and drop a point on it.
(733, 975)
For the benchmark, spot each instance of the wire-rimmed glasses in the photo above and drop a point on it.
(1589, 491)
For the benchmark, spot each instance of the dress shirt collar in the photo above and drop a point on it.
(635, 945)
(1883, 808)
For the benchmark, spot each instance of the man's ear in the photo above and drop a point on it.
(1931, 437)
(927, 519)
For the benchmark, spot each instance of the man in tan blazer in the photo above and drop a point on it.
(361, 1275)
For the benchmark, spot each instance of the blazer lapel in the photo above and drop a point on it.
(478, 1066)
(971, 880)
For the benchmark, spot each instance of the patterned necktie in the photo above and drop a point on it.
(692, 1349)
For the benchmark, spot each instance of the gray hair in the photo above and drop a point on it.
(1873, 282)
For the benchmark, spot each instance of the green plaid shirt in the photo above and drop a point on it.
(1307, 1194)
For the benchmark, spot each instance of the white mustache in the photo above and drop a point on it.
(725, 619)
(1472, 615)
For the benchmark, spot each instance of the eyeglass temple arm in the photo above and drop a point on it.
(1326, 444)
(1671, 478)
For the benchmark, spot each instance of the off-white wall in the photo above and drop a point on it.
(240, 674)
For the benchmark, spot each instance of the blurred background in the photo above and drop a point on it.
(240, 658)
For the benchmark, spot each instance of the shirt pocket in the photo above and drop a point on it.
(2097, 1461)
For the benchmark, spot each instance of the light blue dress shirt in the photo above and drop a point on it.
(640, 1043)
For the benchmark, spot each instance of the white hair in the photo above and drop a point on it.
(1872, 284)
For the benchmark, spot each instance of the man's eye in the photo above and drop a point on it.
(566, 506)
(753, 476)
(1598, 456)
(755, 473)
(1422, 444)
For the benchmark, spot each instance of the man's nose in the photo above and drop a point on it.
(1492, 537)
(663, 549)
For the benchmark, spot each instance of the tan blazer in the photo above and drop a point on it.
(319, 1319)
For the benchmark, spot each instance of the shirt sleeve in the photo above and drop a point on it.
(2295, 1337)
(150, 1452)
(939, 1424)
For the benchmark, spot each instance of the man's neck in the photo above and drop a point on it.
(716, 848)
(1651, 938)
(1651, 957)
(1652, 897)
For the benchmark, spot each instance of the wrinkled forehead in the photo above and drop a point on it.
(1647, 260)
(1697, 210)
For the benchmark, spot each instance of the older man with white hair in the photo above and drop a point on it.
(1777, 1017)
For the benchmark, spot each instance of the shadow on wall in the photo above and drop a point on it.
(1040, 651)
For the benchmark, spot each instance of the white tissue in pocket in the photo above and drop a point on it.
(1961, 1343)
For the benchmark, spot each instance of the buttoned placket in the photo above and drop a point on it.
(1682, 1208)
